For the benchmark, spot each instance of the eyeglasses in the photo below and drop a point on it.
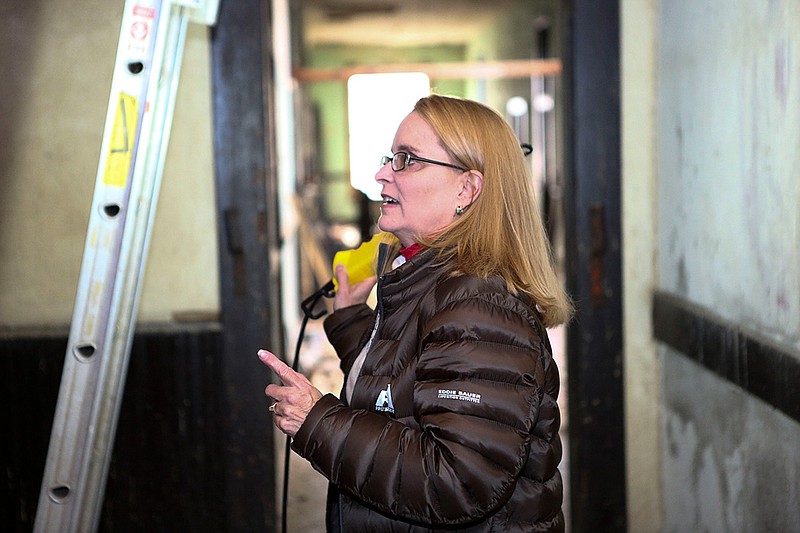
(402, 160)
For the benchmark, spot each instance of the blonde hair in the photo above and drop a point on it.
(501, 233)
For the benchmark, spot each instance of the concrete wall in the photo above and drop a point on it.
(729, 98)
(710, 100)
(731, 462)
(57, 59)
(728, 229)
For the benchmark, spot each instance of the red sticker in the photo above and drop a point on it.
(143, 11)
(139, 30)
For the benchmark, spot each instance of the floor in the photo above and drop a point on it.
(307, 488)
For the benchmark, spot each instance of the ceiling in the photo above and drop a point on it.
(397, 22)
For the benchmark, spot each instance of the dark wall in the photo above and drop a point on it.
(166, 466)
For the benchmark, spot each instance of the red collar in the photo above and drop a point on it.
(410, 251)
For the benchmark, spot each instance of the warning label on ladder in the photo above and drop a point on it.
(120, 149)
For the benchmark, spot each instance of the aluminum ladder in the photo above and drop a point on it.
(133, 150)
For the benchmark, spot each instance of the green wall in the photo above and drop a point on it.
(522, 22)
(329, 99)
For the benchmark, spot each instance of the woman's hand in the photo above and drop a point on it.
(294, 399)
(347, 294)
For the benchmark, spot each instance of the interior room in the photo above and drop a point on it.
(177, 175)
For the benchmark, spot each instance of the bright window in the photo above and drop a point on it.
(377, 103)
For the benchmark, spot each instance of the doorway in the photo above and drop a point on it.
(329, 44)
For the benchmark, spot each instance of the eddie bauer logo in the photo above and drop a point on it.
(448, 394)
(384, 402)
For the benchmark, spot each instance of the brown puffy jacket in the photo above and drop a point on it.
(453, 424)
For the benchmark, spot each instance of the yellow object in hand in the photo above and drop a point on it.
(361, 263)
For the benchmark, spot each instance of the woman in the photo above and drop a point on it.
(448, 419)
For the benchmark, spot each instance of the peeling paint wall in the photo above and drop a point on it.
(729, 160)
(728, 218)
(731, 463)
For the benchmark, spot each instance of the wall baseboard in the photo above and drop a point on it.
(761, 367)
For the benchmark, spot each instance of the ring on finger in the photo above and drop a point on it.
(272, 407)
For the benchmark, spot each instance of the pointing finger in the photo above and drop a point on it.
(281, 369)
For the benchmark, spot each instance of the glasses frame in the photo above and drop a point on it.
(390, 159)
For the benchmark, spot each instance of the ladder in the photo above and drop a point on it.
(133, 150)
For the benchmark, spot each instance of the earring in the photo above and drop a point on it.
(459, 210)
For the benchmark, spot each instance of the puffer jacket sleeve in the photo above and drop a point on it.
(346, 329)
(477, 392)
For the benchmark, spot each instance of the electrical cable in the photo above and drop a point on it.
(308, 313)
(360, 264)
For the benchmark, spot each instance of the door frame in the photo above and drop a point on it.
(594, 267)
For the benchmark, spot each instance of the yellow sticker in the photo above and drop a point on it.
(123, 136)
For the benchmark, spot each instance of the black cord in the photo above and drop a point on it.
(308, 313)
(527, 149)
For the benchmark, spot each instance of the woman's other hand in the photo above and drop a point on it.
(346, 294)
(294, 399)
